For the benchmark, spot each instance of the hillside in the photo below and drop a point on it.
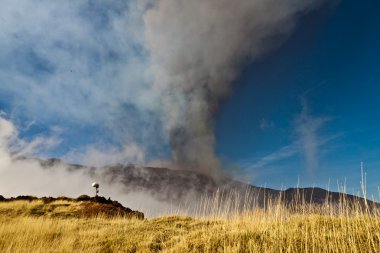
(63, 207)
(97, 224)
(32, 226)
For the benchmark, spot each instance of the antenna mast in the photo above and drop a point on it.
(96, 186)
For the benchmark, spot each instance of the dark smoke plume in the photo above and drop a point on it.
(198, 48)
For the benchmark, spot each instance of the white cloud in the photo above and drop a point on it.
(92, 156)
(75, 62)
(26, 176)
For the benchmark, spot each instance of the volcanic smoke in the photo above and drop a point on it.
(197, 49)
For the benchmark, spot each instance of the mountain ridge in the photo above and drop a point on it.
(178, 186)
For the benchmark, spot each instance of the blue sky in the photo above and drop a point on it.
(331, 66)
(308, 110)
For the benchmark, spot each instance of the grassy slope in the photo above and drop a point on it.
(24, 229)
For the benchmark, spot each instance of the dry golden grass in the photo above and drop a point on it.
(275, 229)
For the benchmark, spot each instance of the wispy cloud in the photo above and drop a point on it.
(10, 141)
(278, 155)
(307, 129)
(307, 142)
(265, 124)
(77, 63)
(102, 156)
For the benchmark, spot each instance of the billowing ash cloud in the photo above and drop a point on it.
(197, 49)
(144, 73)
